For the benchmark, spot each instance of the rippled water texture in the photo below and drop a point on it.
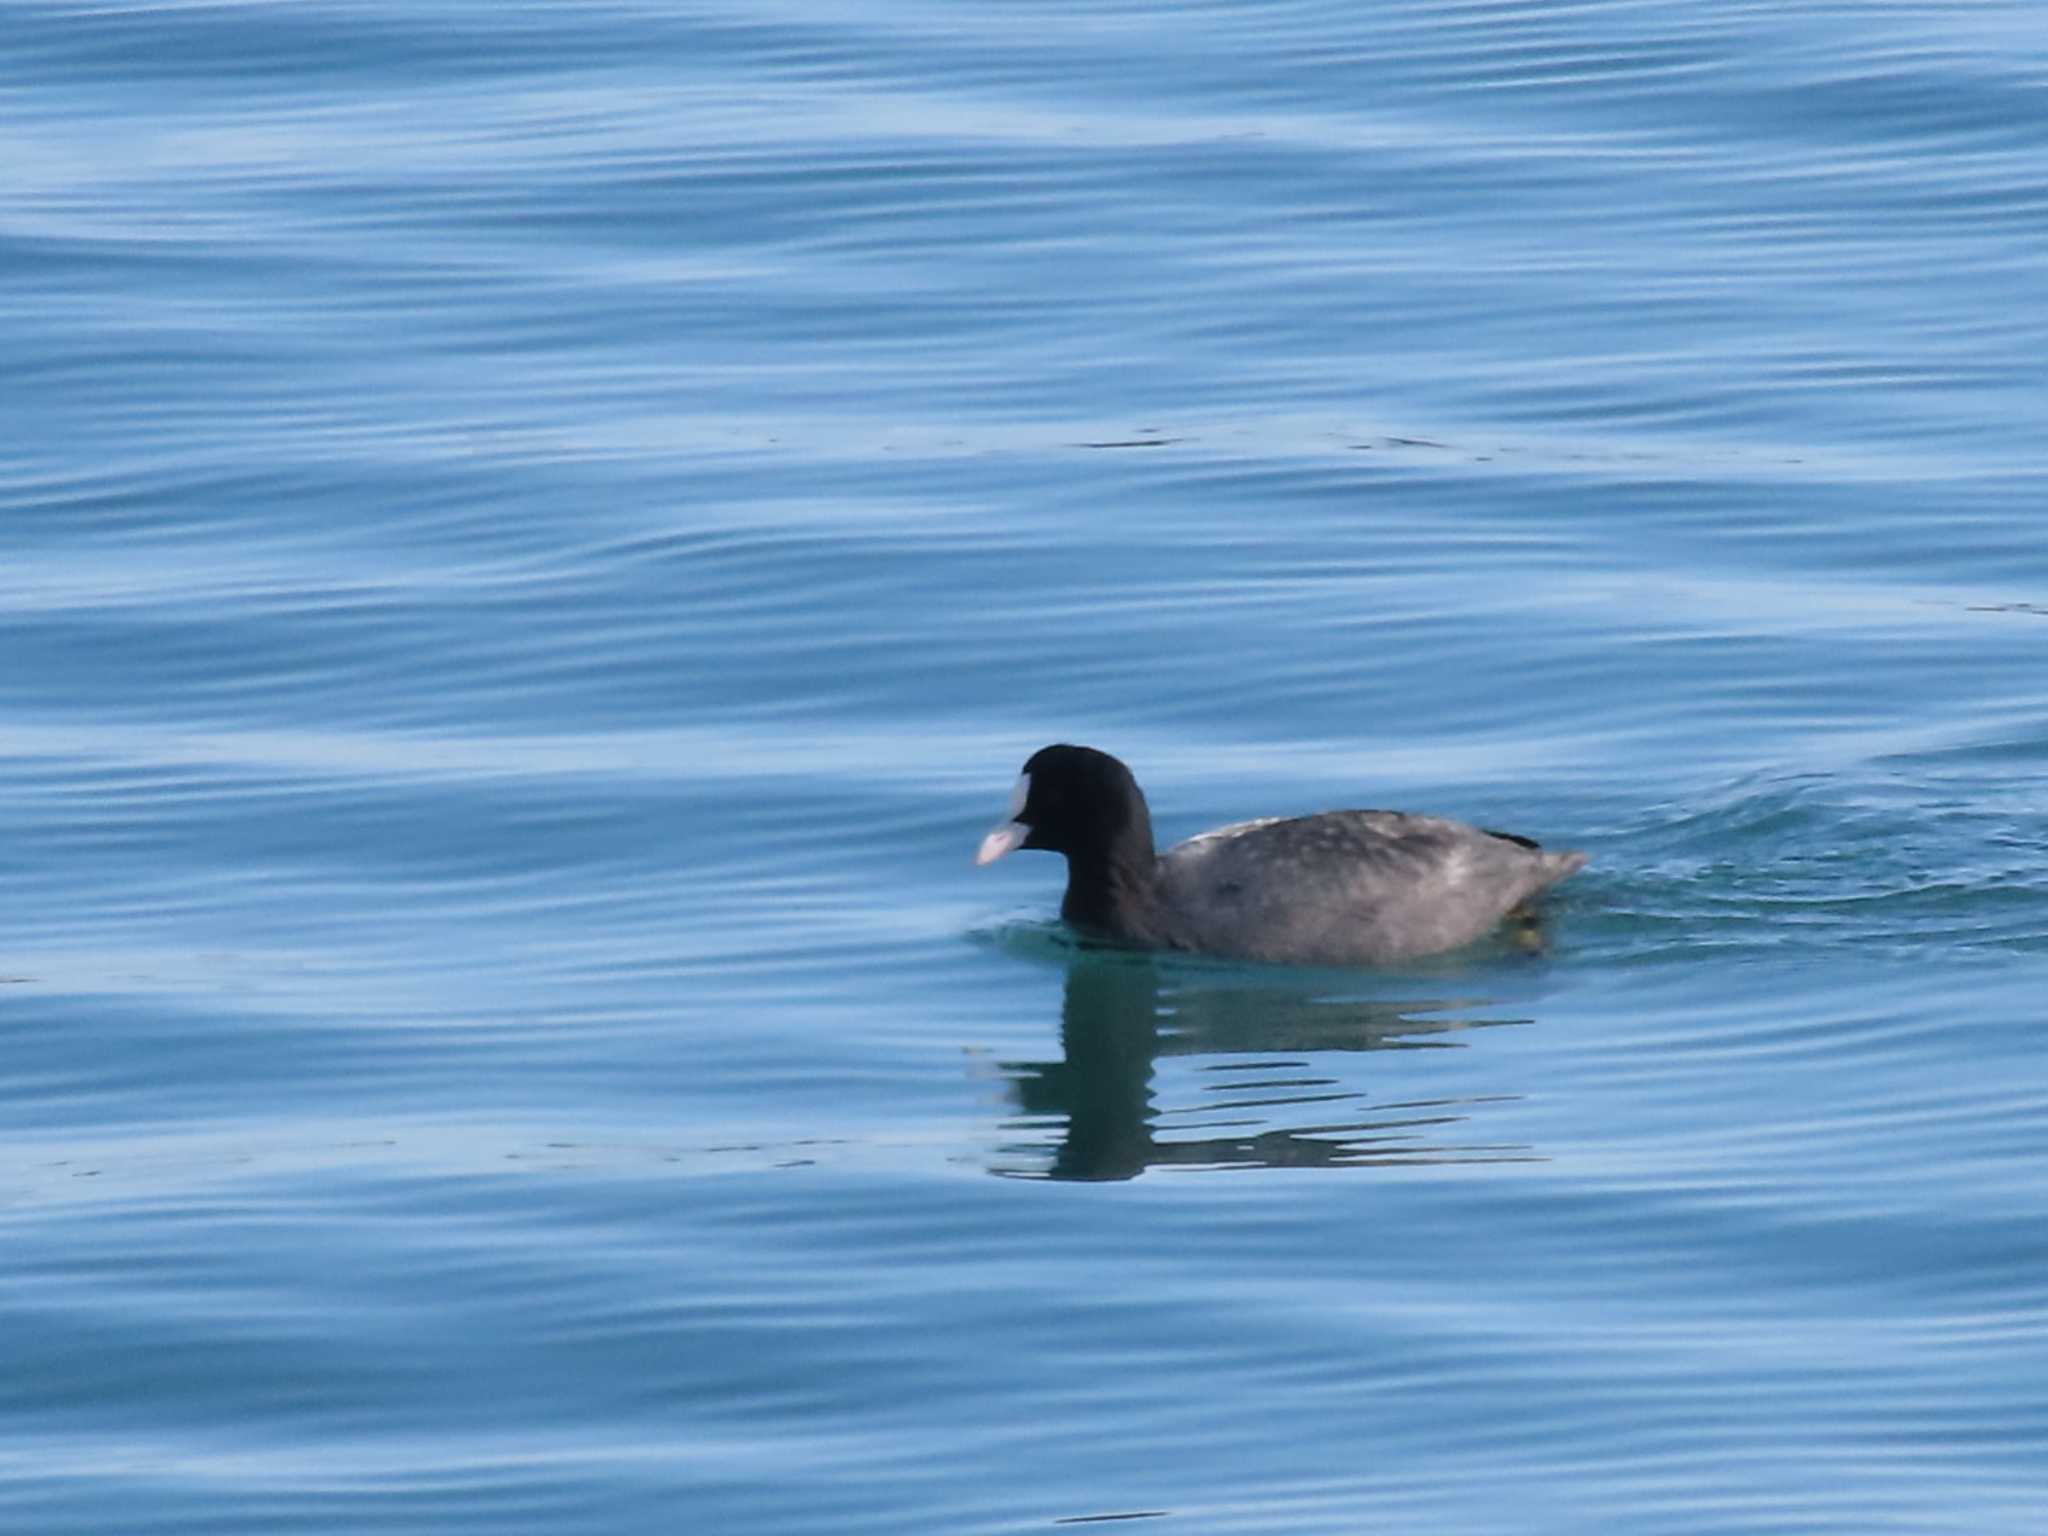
(537, 538)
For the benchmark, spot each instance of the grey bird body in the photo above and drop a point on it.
(1350, 887)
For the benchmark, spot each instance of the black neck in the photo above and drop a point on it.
(1115, 894)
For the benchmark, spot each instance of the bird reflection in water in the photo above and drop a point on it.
(1122, 1013)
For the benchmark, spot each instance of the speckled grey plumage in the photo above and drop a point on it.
(1348, 887)
(1339, 888)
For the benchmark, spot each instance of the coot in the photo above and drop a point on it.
(1339, 888)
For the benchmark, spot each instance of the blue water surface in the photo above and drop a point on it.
(538, 536)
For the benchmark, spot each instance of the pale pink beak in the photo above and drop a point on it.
(1001, 841)
(1007, 834)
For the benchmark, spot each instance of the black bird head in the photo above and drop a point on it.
(1076, 801)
